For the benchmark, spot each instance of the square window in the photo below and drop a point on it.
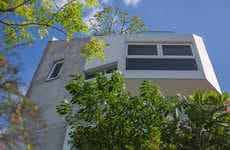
(177, 50)
(55, 70)
(142, 50)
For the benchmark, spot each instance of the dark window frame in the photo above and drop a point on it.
(185, 53)
(160, 55)
(167, 64)
(147, 49)
(53, 75)
(104, 69)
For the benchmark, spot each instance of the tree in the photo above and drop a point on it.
(115, 21)
(206, 123)
(103, 115)
(109, 21)
(109, 118)
(20, 20)
(13, 107)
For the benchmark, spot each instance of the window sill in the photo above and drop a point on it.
(51, 79)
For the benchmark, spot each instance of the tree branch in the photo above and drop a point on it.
(15, 7)
(32, 24)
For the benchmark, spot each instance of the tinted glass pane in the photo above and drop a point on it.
(105, 70)
(111, 69)
(142, 50)
(56, 70)
(160, 64)
(179, 50)
(90, 76)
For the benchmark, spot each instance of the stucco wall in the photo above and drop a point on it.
(48, 93)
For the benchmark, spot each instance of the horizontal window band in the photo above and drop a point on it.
(160, 57)
(160, 64)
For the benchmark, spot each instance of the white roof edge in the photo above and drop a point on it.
(53, 39)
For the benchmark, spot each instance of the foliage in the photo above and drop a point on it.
(115, 21)
(207, 122)
(22, 19)
(109, 118)
(94, 48)
(13, 107)
(103, 115)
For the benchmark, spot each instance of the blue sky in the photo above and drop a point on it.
(208, 18)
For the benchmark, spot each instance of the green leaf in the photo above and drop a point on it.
(94, 48)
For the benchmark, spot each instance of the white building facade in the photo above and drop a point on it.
(178, 63)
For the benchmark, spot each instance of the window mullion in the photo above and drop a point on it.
(159, 50)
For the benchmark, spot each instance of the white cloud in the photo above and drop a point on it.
(91, 14)
(131, 2)
(60, 3)
(105, 1)
(23, 89)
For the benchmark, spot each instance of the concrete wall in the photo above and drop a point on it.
(48, 93)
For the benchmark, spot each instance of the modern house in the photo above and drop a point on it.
(178, 63)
